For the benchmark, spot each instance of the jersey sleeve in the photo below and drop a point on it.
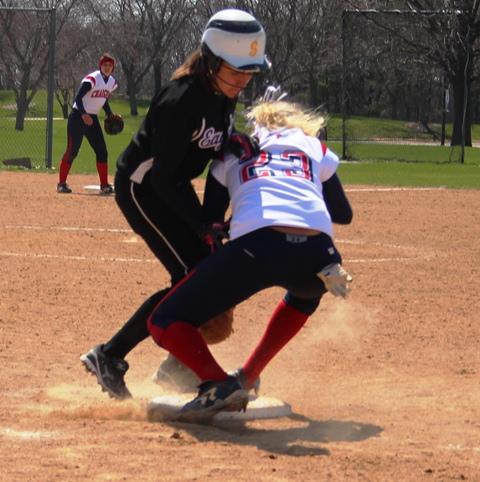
(107, 108)
(170, 134)
(82, 91)
(328, 165)
(170, 131)
(219, 172)
(336, 201)
(215, 200)
(90, 79)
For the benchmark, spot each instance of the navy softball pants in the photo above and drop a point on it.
(76, 130)
(248, 265)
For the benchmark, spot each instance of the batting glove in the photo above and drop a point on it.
(243, 146)
(336, 279)
(213, 235)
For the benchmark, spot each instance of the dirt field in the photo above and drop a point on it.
(384, 386)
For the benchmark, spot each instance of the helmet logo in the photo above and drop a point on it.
(253, 48)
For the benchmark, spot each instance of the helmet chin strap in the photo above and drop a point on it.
(228, 83)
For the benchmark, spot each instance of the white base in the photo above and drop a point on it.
(92, 187)
(166, 407)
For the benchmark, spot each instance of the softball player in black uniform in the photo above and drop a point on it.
(93, 95)
(189, 122)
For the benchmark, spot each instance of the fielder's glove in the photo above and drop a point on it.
(336, 279)
(243, 146)
(113, 124)
(213, 235)
(219, 328)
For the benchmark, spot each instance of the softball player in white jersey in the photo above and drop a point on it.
(95, 89)
(283, 203)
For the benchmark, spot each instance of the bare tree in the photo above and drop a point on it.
(166, 20)
(297, 32)
(141, 32)
(24, 48)
(76, 52)
(452, 45)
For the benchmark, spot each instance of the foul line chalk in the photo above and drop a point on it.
(110, 259)
(68, 228)
(78, 258)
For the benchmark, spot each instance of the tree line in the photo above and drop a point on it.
(388, 67)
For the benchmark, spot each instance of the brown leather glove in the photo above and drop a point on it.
(113, 124)
(218, 328)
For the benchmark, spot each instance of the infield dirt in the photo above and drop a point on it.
(384, 386)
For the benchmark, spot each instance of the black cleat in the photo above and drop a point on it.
(174, 374)
(63, 188)
(109, 372)
(106, 189)
(214, 397)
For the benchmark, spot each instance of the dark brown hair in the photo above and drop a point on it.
(193, 65)
(201, 62)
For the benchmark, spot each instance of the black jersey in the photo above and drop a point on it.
(186, 125)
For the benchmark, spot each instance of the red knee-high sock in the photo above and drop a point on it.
(102, 168)
(63, 171)
(284, 324)
(185, 343)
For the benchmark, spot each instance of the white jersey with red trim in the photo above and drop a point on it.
(282, 187)
(96, 97)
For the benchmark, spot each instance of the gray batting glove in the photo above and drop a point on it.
(336, 279)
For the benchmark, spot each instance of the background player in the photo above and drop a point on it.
(93, 94)
(189, 122)
(281, 235)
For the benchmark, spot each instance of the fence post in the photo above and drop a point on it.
(344, 101)
(50, 88)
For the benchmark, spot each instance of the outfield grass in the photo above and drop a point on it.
(433, 165)
(368, 128)
(411, 174)
(31, 141)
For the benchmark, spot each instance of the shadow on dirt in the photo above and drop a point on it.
(305, 438)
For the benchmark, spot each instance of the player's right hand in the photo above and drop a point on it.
(87, 119)
(336, 279)
(214, 234)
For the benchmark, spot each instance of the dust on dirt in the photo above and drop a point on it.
(384, 386)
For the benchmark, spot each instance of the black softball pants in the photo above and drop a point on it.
(170, 239)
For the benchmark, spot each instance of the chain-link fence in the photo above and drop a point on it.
(396, 99)
(26, 86)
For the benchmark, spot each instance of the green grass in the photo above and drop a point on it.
(405, 152)
(429, 166)
(31, 141)
(462, 176)
(370, 128)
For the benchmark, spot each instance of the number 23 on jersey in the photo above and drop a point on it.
(287, 164)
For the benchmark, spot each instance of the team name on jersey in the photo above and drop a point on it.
(208, 137)
(104, 93)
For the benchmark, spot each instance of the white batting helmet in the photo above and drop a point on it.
(237, 38)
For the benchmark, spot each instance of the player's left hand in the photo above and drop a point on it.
(243, 146)
(113, 124)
